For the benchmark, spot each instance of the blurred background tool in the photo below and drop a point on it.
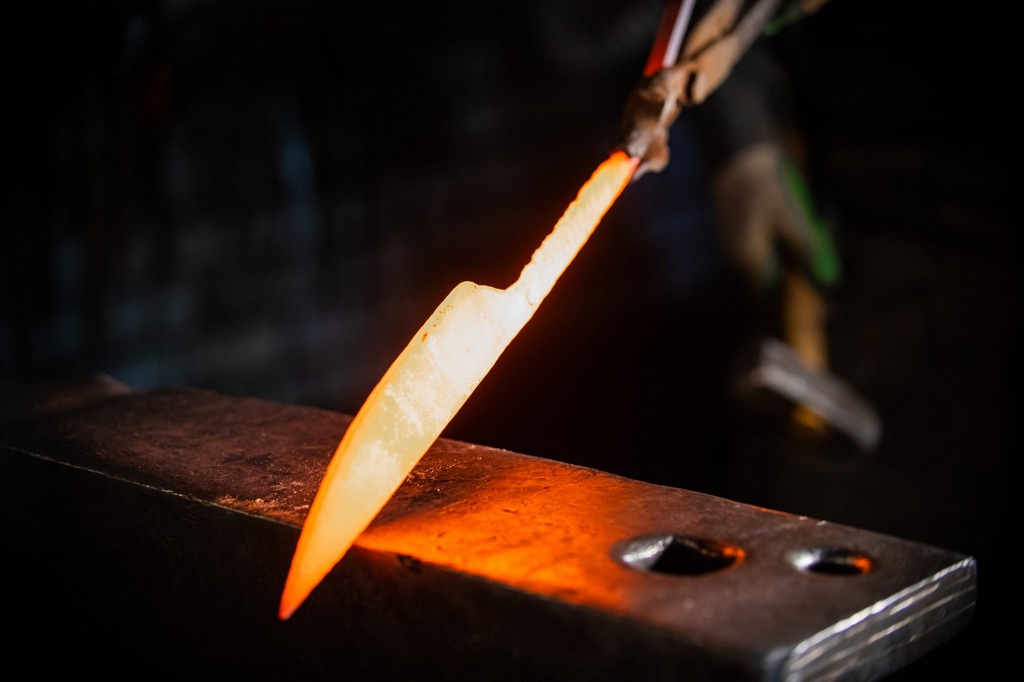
(778, 369)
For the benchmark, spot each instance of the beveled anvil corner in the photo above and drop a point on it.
(153, 531)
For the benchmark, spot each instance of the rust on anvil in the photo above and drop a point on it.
(758, 593)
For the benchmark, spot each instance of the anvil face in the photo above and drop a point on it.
(169, 518)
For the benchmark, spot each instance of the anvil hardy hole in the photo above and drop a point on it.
(676, 555)
(831, 561)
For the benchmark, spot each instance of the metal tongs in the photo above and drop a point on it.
(682, 73)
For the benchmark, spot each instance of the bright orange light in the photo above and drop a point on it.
(428, 383)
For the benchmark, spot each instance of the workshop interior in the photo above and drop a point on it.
(211, 200)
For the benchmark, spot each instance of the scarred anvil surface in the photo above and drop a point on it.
(155, 529)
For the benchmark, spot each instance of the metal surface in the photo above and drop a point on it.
(155, 528)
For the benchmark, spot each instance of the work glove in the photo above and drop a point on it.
(724, 33)
(768, 221)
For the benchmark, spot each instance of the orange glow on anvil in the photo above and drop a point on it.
(429, 382)
(548, 529)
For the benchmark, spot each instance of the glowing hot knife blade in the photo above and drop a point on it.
(428, 383)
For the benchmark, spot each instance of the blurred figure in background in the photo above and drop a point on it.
(756, 160)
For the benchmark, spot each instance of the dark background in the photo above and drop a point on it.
(267, 198)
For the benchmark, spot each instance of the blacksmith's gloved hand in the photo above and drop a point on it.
(721, 36)
(768, 220)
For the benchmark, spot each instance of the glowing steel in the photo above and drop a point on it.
(428, 383)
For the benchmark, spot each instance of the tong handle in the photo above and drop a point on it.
(669, 39)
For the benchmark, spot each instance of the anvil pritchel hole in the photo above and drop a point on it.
(676, 555)
(832, 561)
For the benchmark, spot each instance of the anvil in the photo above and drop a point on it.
(150, 531)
